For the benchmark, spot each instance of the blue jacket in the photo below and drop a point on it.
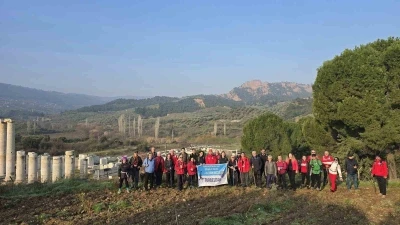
(149, 165)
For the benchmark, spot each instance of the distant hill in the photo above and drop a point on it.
(28, 101)
(256, 92)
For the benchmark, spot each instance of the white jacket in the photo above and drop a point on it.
(335, 169)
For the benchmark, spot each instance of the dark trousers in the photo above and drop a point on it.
(257, 177)
(244, 179)
(382, 184)
(305, 177)
(270, 180)
(180, 181)
(292, 176)
(135, 178)
(172, 177)
(192, 180)
(122, 179)
(325, 171)
(158, 178)
(282, 180)
(239, 180)
(232, 177)
(169, 179)
(148, 177)
(316, 180)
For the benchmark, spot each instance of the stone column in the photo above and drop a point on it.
(62, 166)
(57, 169)
(32, 172)
(45, 168)
(83, 168)
(20, 170)
(3, 145)
(69, 164)
(81, 156)
(10, 151)
(90, 159)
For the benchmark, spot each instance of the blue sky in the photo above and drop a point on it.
(178, 48)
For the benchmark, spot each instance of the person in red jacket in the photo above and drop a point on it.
(180, 167)
(327, 161)
(244, 168)
(292, 169)
(192, 170)
(380, 172)
(159, 169)
(282, 168)
(305, 174)
(211, 158)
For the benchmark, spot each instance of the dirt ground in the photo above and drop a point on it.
(194, 206)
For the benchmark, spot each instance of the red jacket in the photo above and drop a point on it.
(159, 166)
(191, 168)
(281, 167)
(211, 159)
(379, 168)
(309, 158)
(244, 165)
(180, 167)
(174, 158)
(304, 166)
(295, 165)
(327, 161)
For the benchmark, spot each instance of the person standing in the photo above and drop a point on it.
(334, 170)
(244, 168)
(270, 171)
(201, 159)
(232, 165)
(292, 170)
(264, 158)
(282, 169)
(327, 161)
(136, 163)
(223, 159)
(149, 166)
(123, 174)
(192, 171)
(305, 174)
(316, 166)
(256, 164)
(211, 158)
(351, 167)
(380, 172)
(174, 158)
(180, 168)
(169, 168)
(159, 169)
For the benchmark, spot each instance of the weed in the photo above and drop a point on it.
(97, 208)
(123, 204)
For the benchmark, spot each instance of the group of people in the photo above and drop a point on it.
(314, 170)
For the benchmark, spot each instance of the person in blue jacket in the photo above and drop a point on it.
(149, 165)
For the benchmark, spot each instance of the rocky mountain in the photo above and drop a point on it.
(258, 92)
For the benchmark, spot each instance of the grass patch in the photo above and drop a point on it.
(65, 186)
(123, 204)
(257, 214)
(97, 208)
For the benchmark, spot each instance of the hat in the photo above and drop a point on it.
(124, 157)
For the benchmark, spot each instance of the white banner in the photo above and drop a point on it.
(212, 174)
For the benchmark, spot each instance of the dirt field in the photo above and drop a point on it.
(218, 205)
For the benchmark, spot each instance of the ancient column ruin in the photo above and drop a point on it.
(57, 170)
(20, 170)
(83, 171)
(10, 151)
(69, 164)
(32, 172)
(45, 168)
(3, 142)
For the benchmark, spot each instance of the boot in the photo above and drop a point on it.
(127, 190)
(119, 191)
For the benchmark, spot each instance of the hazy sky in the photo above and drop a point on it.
(177, 48)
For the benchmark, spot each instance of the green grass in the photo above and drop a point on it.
(65, 186)
(257, 214)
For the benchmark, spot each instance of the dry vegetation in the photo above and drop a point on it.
(82, 202)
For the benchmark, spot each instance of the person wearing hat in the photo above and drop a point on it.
(211, 158)
(270, 171)
(123, 173)
(380, 172)
(334, 170)
(351, 167)
(136, 162)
